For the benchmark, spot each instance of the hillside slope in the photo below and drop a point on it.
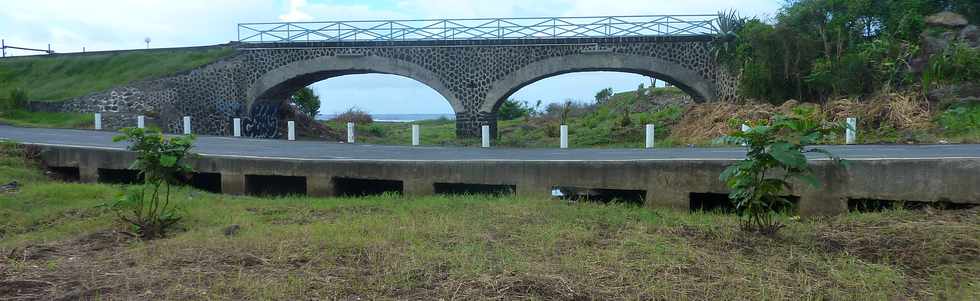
(63, 77)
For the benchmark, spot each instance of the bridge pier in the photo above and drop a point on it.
(468, 124)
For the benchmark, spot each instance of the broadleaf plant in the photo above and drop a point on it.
(160, 160)
(776, 155)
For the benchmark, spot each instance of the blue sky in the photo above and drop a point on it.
(69, 25)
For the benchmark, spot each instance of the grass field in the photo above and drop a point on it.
(64, 77)
(56, 243)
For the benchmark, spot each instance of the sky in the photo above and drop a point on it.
(70, 25)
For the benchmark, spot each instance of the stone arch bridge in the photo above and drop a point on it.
(474, 67)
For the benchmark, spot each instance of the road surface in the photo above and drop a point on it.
(316, 150)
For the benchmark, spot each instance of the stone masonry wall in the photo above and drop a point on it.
(214, 94)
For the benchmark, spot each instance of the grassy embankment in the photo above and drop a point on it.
(55, 242)
(60, 78)
(890, 118)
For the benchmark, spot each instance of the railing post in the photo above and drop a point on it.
(291, 130)
(187, 125)
(416, 135)
(350, 132)
(564, 136)
(651, 132)
(98, 121)
(485, 136)
(236, 124)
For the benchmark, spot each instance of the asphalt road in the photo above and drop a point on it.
(315, 150)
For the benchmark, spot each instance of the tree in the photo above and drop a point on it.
(306, 101)
(603, 95)
(513, 109)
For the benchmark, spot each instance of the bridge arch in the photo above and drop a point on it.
(278, 84)
(700, 88)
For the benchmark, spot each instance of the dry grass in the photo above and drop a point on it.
(904, 112)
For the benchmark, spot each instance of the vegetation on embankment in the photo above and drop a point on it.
(55, 242)
(24, 118)
(63, 77)
(896, 117)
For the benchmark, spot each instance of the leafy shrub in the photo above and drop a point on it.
(961, 119)
(355, 115)
(160, 160)
(306, 101)
(513, 109)
(958, 63)
(776, 153)
(16, 100)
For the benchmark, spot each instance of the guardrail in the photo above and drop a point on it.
(479, 29)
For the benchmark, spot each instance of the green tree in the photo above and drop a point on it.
(603, 95)
(306, 101)
(513, 109)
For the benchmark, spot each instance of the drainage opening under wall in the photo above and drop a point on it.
(120, 176)
(719, 202)
(598, 195)
(463, 188)
(65, 174)
(351, 187)
(210, 182)
(274, 185)
(874, 205)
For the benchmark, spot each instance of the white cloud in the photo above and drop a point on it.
(295, 13)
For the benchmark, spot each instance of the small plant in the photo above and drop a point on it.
(160, 161)
(777, 151)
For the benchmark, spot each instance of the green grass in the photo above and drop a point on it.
(598, 129)
(59, 78)
(468, 247)
(24, 118)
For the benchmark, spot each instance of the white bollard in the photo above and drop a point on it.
(485, 134)
(850, 135)
(98, 121)
(141, 122)
(416, 135)
(564, 136)
(745, 128)
(236, 127)
(650, 135)
(291, 125)
(350, 132)
(187, 125)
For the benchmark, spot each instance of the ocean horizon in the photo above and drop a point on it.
(397, 117)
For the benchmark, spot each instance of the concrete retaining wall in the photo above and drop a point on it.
(668, 183)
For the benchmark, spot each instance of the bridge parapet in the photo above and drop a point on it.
(479, 29)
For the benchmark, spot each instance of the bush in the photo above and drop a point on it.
(512, 109)
(16, 100)
(306, 101)
(958, 63)
(961, 119)
(160, 161)
(776, 154)
(355, 115)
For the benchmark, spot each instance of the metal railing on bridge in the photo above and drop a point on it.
(479, 29)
